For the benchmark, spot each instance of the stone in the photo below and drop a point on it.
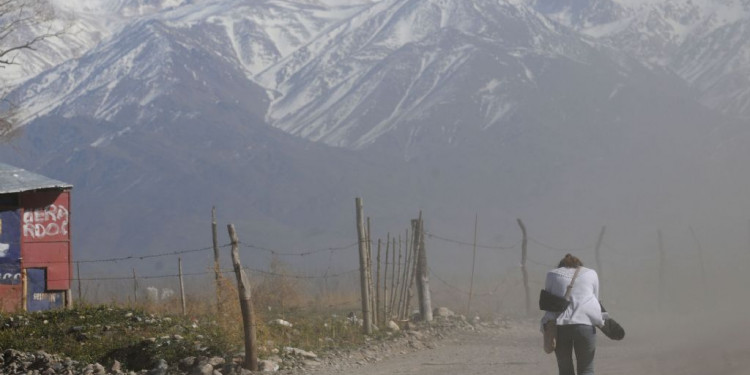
(268, 366)
(116, 367)
(99, 369)
(393, 326)
(216, 361)
(203, 369)
(299, 352)
(186, 363)
(280, 322)
(443, 312)
(160, 368)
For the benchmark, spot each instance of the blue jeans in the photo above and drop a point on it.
(582, 339)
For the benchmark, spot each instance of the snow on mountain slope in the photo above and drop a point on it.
(101, 82)
(399, 58)
(703, 41)
(719, 67)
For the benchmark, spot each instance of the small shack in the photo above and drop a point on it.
(35, 252)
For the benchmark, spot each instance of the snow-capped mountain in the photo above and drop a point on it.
(705, 42)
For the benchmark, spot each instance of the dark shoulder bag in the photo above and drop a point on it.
(554, 303)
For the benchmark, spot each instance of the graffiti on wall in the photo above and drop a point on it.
(10, 248)
(44, 222)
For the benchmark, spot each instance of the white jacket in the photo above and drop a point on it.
(584, 305)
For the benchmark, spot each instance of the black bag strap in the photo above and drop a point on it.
(572, 281)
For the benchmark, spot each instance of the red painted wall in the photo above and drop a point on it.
(45, 235)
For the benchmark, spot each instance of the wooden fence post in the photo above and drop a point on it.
(385, 279)
(78, 276)
(395, 273)
(182, 287)
(525, 273)
(370, 279)
(473, 265)
(246, 304)
(377, 289)
(597, 255)
(423, 279)
(135, 288)
(217, 266)
(662, 270)
(365, 295)
(24, 289)
(412, 268)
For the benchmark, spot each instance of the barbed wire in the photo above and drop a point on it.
(142, 257)
(298, 253)
(430, 235)
(486, 294)
(224, 271)
(566, 249)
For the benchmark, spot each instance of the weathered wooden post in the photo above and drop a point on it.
(24, 289)
(182, 287)
(246, 304)
(377, 289)
(662, 270)
(395, 276)
(370, 278)
(386, 299)
(135, 288)
(597, 255)
(423, 280)
(473, 265)
(78, 276)
(217, 267)
(411, 269)
(525, 273)
(365, 295)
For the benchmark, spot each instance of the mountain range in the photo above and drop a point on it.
(570, 113)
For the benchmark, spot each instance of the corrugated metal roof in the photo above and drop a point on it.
(16, 180)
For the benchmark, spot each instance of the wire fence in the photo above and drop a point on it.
(332, 274)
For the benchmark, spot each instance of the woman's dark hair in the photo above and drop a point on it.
(570, 262)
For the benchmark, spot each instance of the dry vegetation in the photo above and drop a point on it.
(137, 335)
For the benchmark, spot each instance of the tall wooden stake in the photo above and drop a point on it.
(597, 255)
(78, 276)
(370, 278)
(377, 289)
(217, 267)
(386, 298)
(662, 270)
(700, 261)
(423, 279)
(395, 274)
(24, 289)
(525, 273)
(135, 288)
(246, 304)
(473, 265)
(411, 274)
(365, 293)
(182, 287)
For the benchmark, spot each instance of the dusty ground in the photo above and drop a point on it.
(680, 346)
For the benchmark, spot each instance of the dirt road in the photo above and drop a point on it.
(673, 348)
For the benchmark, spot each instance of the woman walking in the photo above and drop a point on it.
(576, 325)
